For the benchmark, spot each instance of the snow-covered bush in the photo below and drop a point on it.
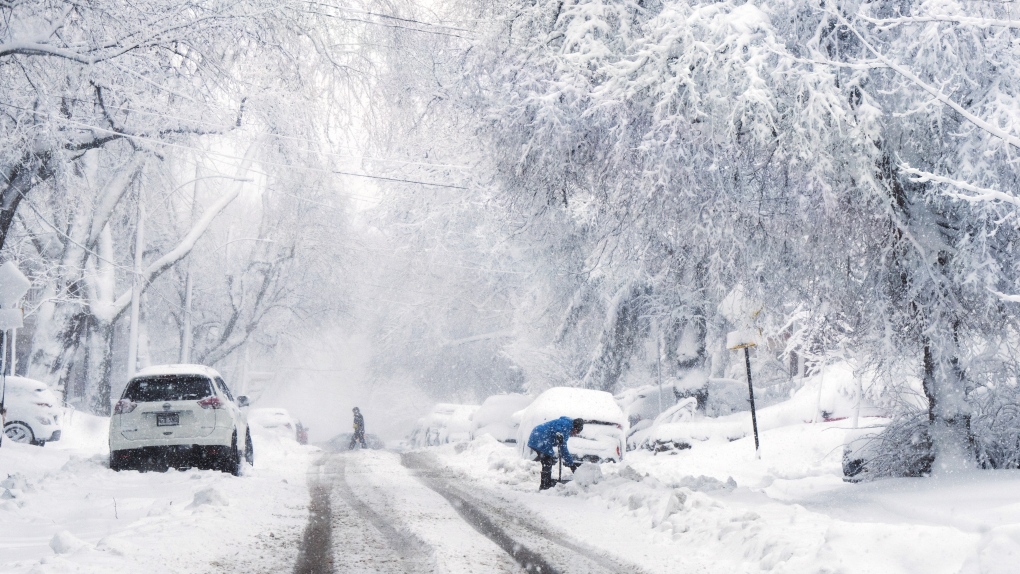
(903, 448)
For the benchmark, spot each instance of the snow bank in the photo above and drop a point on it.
(63, 510)
(829, 398)
(717, 508)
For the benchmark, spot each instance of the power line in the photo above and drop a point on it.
(228, 156)
(270, 135)
(387, 16)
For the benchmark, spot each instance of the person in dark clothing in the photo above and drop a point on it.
(546, 438)
(359, 430)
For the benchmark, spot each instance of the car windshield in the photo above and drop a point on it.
(168, 388)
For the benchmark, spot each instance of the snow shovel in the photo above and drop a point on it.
(559, 458)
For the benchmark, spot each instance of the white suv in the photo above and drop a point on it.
(180, 416)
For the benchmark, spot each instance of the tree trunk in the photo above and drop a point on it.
(616, 345)
(99, 366)
(20, 180)
(948, 411)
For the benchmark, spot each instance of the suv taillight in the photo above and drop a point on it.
(211, 403)
(124, 406)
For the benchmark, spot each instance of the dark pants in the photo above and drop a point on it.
(358, 437)
(547, 465)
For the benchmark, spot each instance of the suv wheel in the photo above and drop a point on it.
(120, 460)
(19, 432)
(231, 461)
(249, 450)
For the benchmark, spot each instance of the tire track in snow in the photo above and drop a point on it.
(406, 552)
(316, 553)
(536, 546)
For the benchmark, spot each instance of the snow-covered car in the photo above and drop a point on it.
(444, 424)
(605, 424)
(33, 412)
(496, 417)
(181, 416)
(273, 421)
(644, 403)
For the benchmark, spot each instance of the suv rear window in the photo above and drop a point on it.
(168, 388)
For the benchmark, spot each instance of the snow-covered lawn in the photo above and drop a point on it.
(62, 510)
(714, 508)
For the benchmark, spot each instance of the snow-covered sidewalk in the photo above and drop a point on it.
(62, 510)
(715, 508)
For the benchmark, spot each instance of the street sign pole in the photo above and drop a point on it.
(750, 391)
(737, 340)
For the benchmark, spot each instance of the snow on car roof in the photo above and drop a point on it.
(446, 414)
(270, 415)
(499, 408)
(183, 369)
(571, 402)
(25, 383)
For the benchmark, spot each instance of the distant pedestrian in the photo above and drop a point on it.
(359, 430)
(546, 438)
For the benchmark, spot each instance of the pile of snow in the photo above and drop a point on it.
(495, 416)
(83, 433)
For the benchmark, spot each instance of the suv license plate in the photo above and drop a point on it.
(168, 419)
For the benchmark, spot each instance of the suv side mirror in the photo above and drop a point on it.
(242, 401)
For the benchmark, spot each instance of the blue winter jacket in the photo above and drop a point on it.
(544, 437)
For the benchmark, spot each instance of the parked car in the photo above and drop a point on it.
(33, 412)
(605, 424)
(446, 423)
(274, 421)
(496, 417)
(181, 416)
(302, 433)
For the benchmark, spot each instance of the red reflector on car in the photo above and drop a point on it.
(211, 403)
(123, 406)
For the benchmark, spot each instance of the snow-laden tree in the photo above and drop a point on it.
(101, 102)
(849, 166)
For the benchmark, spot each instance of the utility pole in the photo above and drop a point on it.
(136, 291)
(189, 284)
(658, 362)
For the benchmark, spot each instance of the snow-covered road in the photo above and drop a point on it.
(475, 507)
(409, 513)
(298, 510)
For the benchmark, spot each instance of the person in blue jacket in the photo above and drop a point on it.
(546, 438)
